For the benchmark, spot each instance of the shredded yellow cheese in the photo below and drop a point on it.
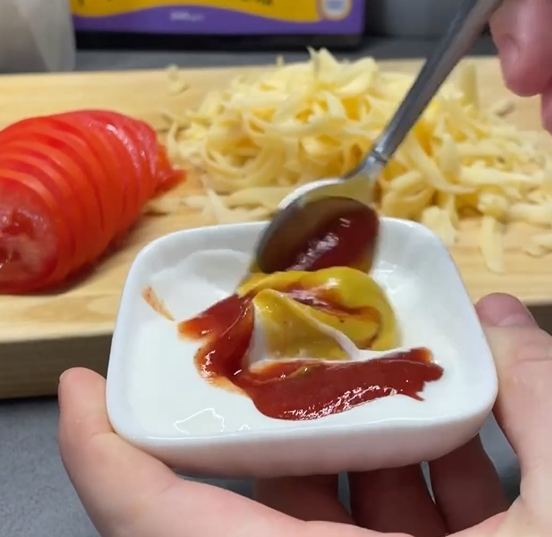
(176, 83)
(269, 132)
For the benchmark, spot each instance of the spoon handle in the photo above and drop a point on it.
(462, 33)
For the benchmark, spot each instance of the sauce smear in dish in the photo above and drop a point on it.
(314, 286)
(299, 389)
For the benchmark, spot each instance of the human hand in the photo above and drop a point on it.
(522, 31)
(127, 492)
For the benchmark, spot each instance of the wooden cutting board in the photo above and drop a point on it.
(42, 336)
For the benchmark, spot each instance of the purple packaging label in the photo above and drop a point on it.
(333, 17)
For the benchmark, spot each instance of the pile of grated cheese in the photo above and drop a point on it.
(269, 132)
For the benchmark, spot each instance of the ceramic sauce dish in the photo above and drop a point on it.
(158, 401)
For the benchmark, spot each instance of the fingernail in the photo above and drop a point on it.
(522, 319)
(509, 51)
(61, 376)
(505, 311)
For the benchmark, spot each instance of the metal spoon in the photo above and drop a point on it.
(322, 200)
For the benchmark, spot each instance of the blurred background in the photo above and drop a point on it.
(48, 35)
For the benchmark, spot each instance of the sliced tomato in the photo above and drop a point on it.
(35, 242)
(167, 176)
(70, 146)
(148, 137)
(86, 173)
(99, 141)
(65, 178)
(20, 160)
(161, 173)
(126, 130)
(164, 175)
(124, 176)
(73, 183)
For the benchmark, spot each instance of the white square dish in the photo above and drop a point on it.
(157, 400)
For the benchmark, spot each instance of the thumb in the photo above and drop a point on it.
(523, 356)
(521, 30)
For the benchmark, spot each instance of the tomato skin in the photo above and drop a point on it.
(163, 175)
(126, 173)
(167, 176)
(148, 138)
(72, 154)
(105, 145)
(28, 163)
(126, 130)
(45, 246)
(71, 185)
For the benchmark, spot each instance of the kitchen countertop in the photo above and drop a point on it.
(36, 498)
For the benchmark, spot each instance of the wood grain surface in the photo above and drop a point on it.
(40, 336)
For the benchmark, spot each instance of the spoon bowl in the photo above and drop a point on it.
(304, 219)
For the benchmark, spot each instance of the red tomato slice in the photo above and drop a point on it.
(150, 143)
(67, 145)
(34, 238)
(97, 137)
(123, 176)
(65, 176)
(167, 176)
(164, 175)
(21, 160)
(147, 139)
(86, 174)
(127, 132)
